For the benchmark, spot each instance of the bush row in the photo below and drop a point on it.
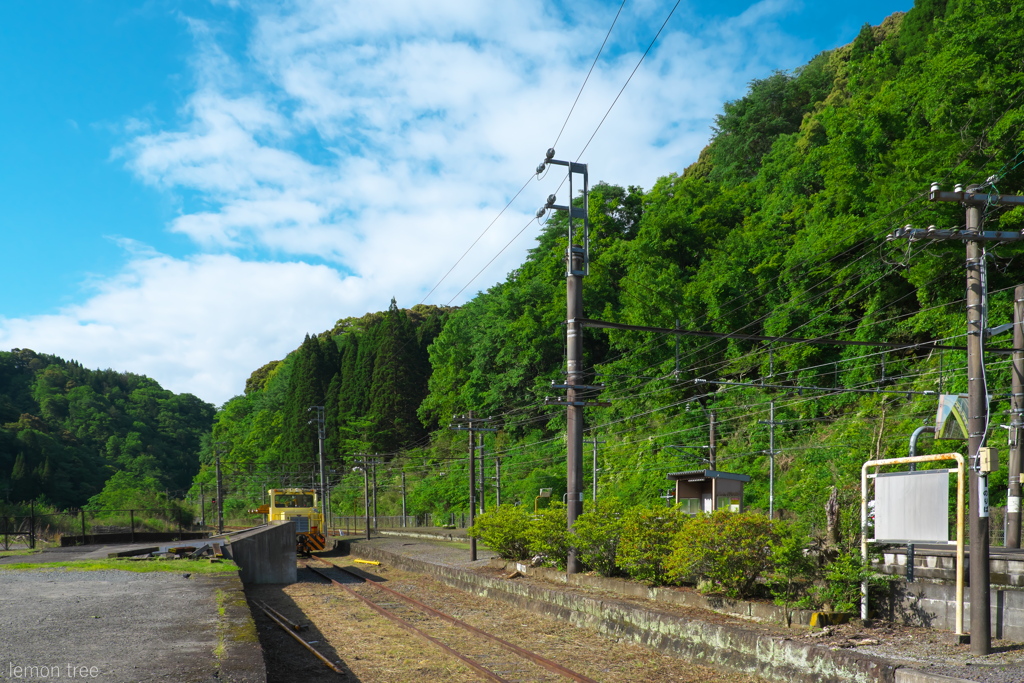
(739, 555)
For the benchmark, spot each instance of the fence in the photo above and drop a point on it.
(25, 531)
(354, 524)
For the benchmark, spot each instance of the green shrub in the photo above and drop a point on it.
(840, 590)
(549, 537)
(596, 535)
(646, 541)
(728, 551)
(793, 568)
(504, 530)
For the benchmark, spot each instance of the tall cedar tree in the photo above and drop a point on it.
(396, 388)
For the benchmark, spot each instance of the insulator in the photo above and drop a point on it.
(550, 153)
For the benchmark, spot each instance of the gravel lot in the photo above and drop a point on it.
(111, 626)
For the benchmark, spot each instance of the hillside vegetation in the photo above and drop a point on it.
(71, 436)
(777, 230)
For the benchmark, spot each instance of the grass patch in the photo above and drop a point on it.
(15, 553)
(180, 566)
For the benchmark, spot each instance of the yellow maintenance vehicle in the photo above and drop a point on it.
(301, 506)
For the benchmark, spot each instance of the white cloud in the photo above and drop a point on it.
(199, 325)
(380, 139)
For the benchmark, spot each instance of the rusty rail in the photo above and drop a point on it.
(296, 636)
(527, 654)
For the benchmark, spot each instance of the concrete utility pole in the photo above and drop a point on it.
(366, 493)
(1016, 422)
(712, 448)
(220, 485)
(771, 458)
(577, 261)
(977, 392)
(480, 451)
(593, 493)
(497, 482)
(467, 423)
(320, 435)
(373, 465)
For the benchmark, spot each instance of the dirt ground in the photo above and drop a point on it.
(373, 649)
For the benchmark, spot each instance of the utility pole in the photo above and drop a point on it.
(480, 450)
(466, 423)
(220, 486)
(403, 499)
(320, 435)
(771, 458)
(497, 482)
(977, 392)
(577, 261)
(712, 450)
(1016, 422)
(202, 506)
(373, 464)
(593, 493)
(366, 495)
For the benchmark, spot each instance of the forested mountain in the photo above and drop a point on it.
(779, 229)
(66, 432)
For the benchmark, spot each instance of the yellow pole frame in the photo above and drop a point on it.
(960, 474)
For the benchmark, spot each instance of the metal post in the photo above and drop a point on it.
(403, 500)
(131, 517)
(32, 526)
(712, 449)
(913, 466)
(977, 421)
(593, 493)
(1016, 423)
(202, 505)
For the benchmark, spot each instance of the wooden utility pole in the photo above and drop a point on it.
(1016, 422)
(977, 392)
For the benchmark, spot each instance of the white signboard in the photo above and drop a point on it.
(912, 507)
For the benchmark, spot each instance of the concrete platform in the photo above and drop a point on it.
(121, 626)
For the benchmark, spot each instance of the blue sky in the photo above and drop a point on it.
(189, 187)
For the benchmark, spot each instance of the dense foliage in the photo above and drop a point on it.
(777, 230)
(69, 435)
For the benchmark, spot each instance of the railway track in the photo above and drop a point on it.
(490, 656)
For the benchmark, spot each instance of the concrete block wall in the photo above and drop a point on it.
(265, 554)
(933, 604)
